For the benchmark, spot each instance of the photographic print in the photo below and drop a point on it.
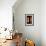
(29, 19)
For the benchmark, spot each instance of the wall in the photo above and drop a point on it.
(43, 22)
(6, 13)
(29, 32)
(6, 16)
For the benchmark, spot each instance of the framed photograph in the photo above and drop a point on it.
(29, 19)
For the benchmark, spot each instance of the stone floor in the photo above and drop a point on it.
(9, 43)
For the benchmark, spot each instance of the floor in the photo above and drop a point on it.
(9, 43)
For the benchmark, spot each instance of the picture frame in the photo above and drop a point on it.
(29, 19)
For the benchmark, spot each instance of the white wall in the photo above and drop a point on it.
(43, 22)
(30, 32)
(6, 13)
